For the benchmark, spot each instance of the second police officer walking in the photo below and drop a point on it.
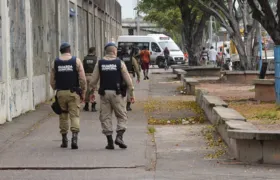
(127, 56)
(89, 64)
(112, 73)
(68, 79)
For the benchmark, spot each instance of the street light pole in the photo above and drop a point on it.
(211, 32)
(138, 21)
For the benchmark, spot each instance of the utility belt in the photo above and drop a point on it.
(120, 90)
(77, 90)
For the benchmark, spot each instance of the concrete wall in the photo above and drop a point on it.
(30, 34)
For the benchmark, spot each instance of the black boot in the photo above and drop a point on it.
(93, 108)
(110, 142)
(64, 141)
(119, 139)
(86, 107)
(74, 144)
(128, 108)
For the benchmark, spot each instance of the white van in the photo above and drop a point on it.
(156, 44)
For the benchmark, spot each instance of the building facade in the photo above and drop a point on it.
(30, 34)
(129, 27)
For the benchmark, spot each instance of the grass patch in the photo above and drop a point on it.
(171, 106)
(252, 90)
(214, 141)
(151, 130)
(265, 113)
(271, 114)
(180, 88)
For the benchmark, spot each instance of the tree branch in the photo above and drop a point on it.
(257, 14)
(230, 5)
(266, 8)
(222, 8)
(235, 12)
(211, 11)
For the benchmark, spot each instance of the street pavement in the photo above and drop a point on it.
(29, 147)
(182, 150)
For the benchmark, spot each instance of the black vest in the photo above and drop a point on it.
(66, 74)
(110, 74)
(128, 62)
(89, 63)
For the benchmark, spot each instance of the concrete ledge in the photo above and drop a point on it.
(199, 70)
(227, 114)
(199, 96)
(265, 90)
(245, 141)
(240, 125)
(214, 101)
(254, 134)
(180, 73)
(189, 85)
(244, 77)
(264, 81)
(208, 103)
(203, 71)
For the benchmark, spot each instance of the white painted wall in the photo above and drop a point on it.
(3, 105)
(18, 96)
(39, 88)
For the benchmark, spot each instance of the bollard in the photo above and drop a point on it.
(263, 70)
(277, 72)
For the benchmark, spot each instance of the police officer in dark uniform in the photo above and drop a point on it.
(132, 67)
(89, 64)
(68, 79)
(112, 73)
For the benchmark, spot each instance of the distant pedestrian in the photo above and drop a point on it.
(213, 56)
(68, 79)
(145, 58)
(166, 53)
(89, 64)
(113, 75)
(204, 56)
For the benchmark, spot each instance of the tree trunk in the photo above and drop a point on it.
(256, 41)
(194, 53)
(237, 40)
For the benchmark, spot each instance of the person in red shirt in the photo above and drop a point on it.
(145, 58)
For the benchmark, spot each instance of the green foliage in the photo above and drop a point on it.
(164, 13)
(182, 19)
(151, 130)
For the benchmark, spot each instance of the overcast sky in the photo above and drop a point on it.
(127, 8)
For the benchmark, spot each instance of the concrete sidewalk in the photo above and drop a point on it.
(34, 144)
(182, 150)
